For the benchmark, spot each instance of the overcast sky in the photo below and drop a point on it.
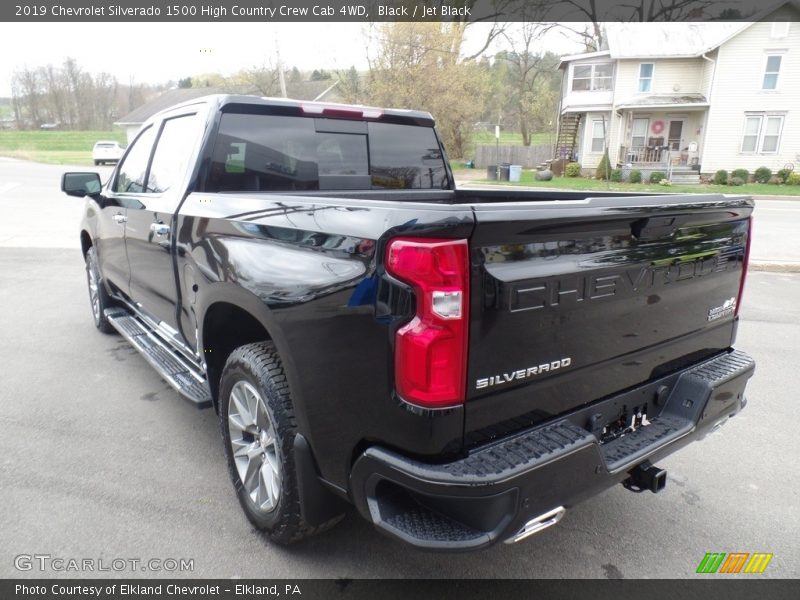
(159, 52)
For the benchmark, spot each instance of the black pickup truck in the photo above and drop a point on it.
(462, 366)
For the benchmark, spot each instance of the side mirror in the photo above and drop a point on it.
(81, 184)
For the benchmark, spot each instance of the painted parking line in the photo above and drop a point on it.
(7, 187)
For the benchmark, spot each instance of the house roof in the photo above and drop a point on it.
(675, 40)
(666, 101)
(165, 100)
(301, 90)
(667, 40)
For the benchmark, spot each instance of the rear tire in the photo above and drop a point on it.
(99, 300)
(258, 429)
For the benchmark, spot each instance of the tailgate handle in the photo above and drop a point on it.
(654, 228)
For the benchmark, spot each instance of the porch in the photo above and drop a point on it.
(663, 133)
(680, 166)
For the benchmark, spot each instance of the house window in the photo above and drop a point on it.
(646, 77)
(772, 134)
(598, 136)
(762, 133)
(771, 72)
(592, 77)
(639, 133)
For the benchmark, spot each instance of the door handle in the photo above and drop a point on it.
(159, 229)
(120, 218)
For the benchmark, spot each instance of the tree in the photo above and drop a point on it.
(730, 14)
(320, 75)
(27, 93)
(66, 95)
(597, 12)
(295, 76)
(419, 66)
(350, 87)
(185, 83)
(264, 79)
(532, 79)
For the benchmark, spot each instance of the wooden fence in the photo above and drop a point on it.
(527, 156)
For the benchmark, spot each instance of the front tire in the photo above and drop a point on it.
(258, 428)
(99, 300)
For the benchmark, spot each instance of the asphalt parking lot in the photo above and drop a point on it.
(99, 458)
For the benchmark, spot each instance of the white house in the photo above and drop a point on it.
(687, 98)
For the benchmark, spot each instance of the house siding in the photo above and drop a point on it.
(737, 91)
(590, 160)
(670, 76)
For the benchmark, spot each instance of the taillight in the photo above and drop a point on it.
(745, 264)
(431, 350)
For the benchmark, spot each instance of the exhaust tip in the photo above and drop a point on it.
(538, 524)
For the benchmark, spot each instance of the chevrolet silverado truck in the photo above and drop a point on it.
(463, 366)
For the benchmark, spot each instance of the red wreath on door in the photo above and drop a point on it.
(657, 127)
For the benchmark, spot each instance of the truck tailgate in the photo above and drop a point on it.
(572, 301)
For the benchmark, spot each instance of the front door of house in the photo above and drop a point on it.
(675, 135)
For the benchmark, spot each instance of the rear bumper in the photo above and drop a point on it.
(491, 494)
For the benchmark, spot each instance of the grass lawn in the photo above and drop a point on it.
(55, 147)
(583, 183)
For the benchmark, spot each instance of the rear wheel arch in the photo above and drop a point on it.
(229, 316)
(225, 327)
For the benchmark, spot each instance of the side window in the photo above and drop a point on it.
(771, 72)
(263, 153)
(172, 154)
(598, 136)
(646, 77)
(639, 133)
(132, 171)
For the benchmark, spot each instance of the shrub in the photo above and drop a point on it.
(604, 168)
(793, 179)
(572, 169)
(783, 174)
(657, 176)
(762, 174)
(775, 180)
(665, 182)
(736, 181)
(616, 175)
(635, 176)
(721, 177)
(742, 174)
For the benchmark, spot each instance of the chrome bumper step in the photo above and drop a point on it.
(187, 379)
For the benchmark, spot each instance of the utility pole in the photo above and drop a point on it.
(497, 150)
(281, 78)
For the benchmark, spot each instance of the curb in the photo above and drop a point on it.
(774, 267)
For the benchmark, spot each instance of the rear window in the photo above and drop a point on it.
(278, 153)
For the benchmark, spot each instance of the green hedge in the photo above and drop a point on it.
(572, 169)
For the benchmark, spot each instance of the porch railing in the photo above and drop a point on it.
(642, 155)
